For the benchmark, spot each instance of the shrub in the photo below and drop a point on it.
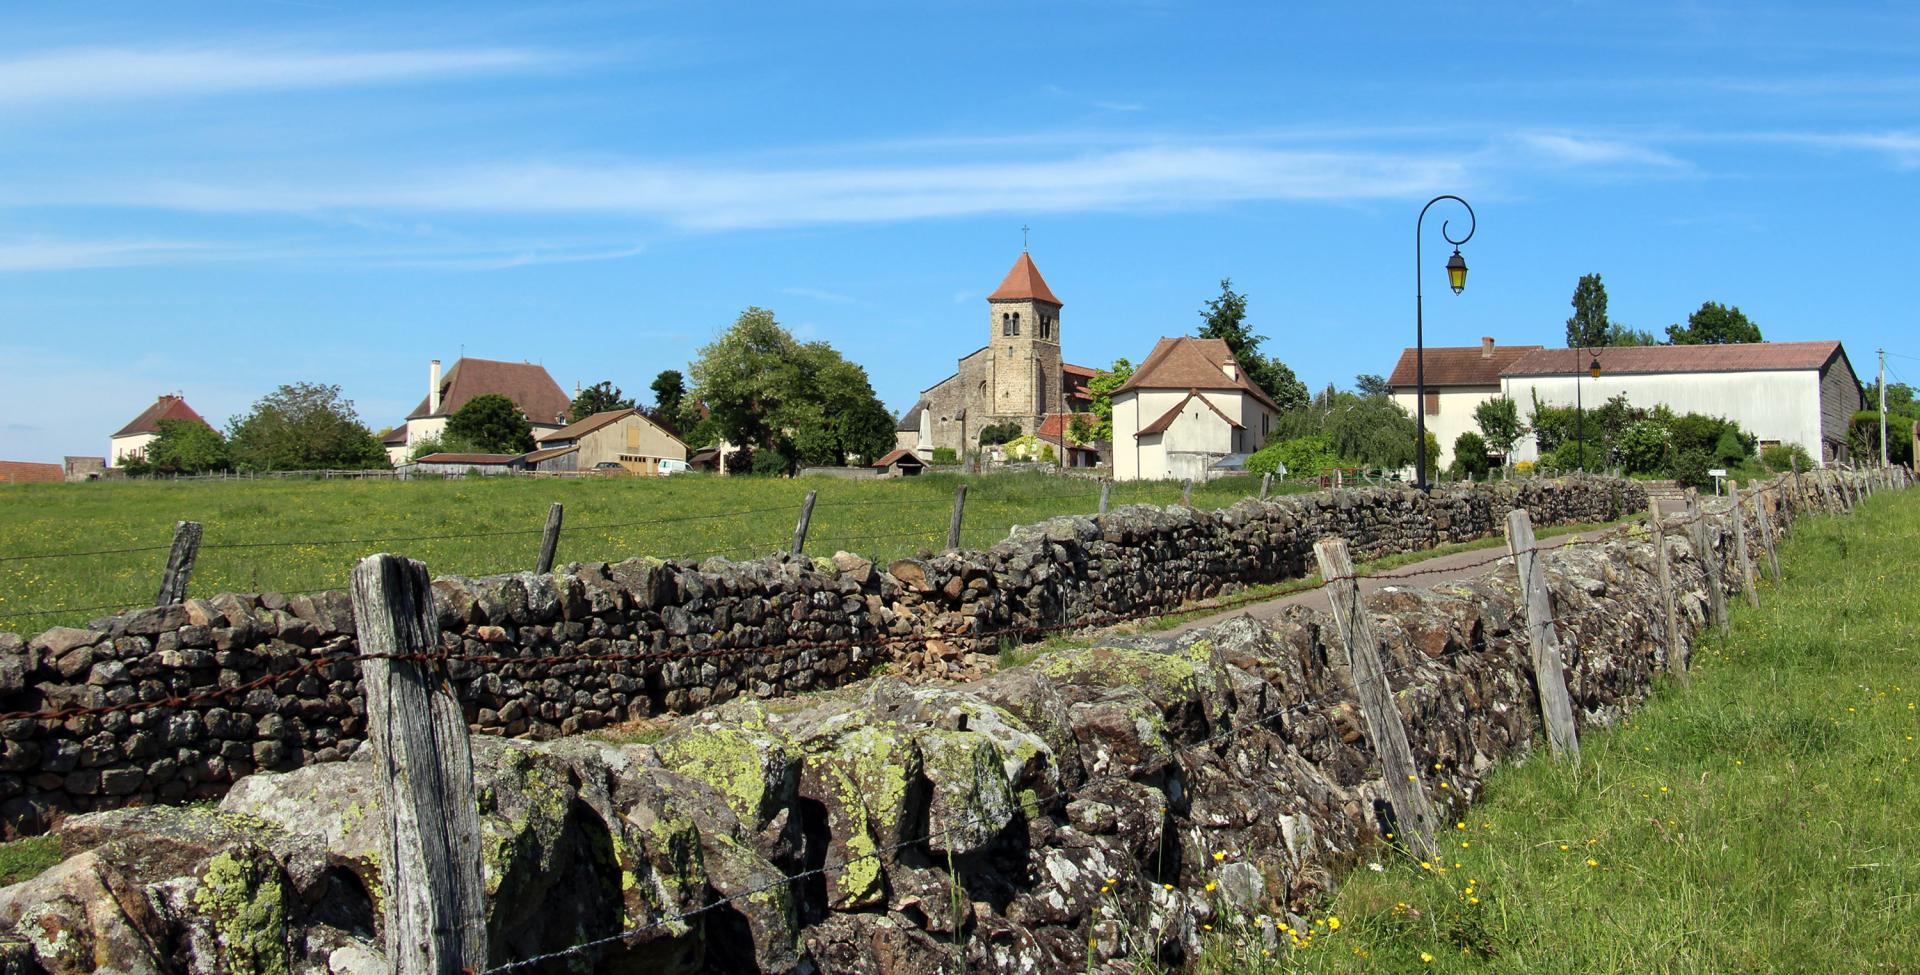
(1567, 458)
(1643, 446)
(1523, 467)
(1308, 456)
(1779, 457)
(1728, 449)
(771, 463)
(1689, 468)
(1470, 456)
(944, 455)
(999, 433)
(1863, 437)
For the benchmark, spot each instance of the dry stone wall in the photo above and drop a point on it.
(1091, 810)
(214, 689)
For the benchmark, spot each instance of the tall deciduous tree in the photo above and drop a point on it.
(1100, 388)
(670, 395)
(1499, 423)
(1225, 317)
(187, 447)
(1714, 324)
(598, 398)
(493, 423)
(804, 403)
(1589, 325)
(1371, 384)
(303, 426)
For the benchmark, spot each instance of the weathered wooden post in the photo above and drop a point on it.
(1663, 570)
(1709, 560)
(1766, 529)
(1186, 496)
(806, 519)
(1106, 492)
(1413, 815)
(959, 509)
(550, 540)
(1266, 484)
(434, 901)
(1549, 670)
(178, 571)
(1742, 558)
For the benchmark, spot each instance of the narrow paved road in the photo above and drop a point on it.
(1428, 572)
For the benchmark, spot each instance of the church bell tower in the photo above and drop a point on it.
(1023, 343)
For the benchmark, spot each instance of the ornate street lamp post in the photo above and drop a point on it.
(1457, 280)
(1579, 414)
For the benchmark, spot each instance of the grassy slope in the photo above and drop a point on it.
(755, 517)
(1759, 820)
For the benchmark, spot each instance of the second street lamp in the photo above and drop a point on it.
(1457, 280)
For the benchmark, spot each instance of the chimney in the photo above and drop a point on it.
(1486, 346)
(1231, 368)
(433, 388)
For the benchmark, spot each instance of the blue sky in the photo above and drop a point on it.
(219, 198)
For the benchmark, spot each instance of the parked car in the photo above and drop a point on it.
(609, 467)
(671, 466)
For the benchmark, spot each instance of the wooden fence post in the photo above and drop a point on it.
(806, 519)
(1266, 484)
(550, 541)
(1413, 815)
(1186, 496)
(1663, 569)
(1766, 529)
(434, 901)
(1742, 558)
(1549, 670)
(179, 568)
(1106, 492)
(959, 509)
(1709, 560)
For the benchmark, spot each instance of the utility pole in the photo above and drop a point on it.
(1883, 407)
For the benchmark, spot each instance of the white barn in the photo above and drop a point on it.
(1781, 392)
(1459, 379)
(1189, 406)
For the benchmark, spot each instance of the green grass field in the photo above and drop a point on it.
(296, 536)
(1759, 820)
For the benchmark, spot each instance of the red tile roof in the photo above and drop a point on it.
(1461, 365)
(1022, 283)
(896, 454)
(1084, 372)
(1055, 426)
(1739, 357)
(27, 472)
(1190, 363)
(1167, 418)
(168, 407)
(529, 386)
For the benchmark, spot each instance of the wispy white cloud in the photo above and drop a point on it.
(58, 255)
(1902, 147)
(1583, 151)
(126, 73)
(46, 254)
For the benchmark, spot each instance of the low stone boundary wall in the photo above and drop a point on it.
(202, 693)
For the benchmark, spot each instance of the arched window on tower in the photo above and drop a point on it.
(1016, 323)
(1006, 323)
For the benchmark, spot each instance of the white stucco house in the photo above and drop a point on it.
(529, 386)
(1459, 378)
(1187, 408)
(1781, 392)
(130, 442)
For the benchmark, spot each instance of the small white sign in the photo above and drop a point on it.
(1717, 472)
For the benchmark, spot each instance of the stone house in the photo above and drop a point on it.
(1781, 392)
(1017, 377)
(1459, 379)
(1189, 407)
(131, 441)
(624, 437)
(529, 386)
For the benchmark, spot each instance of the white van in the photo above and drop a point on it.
(670, 466)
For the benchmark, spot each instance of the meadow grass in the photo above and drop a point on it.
(25, 859)
(298, 536)
(1760, 819)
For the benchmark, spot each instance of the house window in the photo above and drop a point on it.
(1433, 404)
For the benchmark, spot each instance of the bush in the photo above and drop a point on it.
(1567, 458)
(1523, 467)
(1729, 449)
(999, 433)
(771, 463)
(1309, 456)
(944, 455)
(1689, 468)
(1643, 446)
(1470, 456)
(1779, 457)
(1863, 438)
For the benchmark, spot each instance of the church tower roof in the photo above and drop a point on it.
(1024, 283)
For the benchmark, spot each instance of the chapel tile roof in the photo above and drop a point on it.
(1022, 283)
(1190, 363)
(529, 386)
(1470, 365)
(167, 407)
(1734, 357)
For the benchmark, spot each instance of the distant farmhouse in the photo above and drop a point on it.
(27, 472)
(624, 437)
(1459, 379)
(529, 386)
(1017, 377)
(1189, 411)
(1781, 392)
(131, 442)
